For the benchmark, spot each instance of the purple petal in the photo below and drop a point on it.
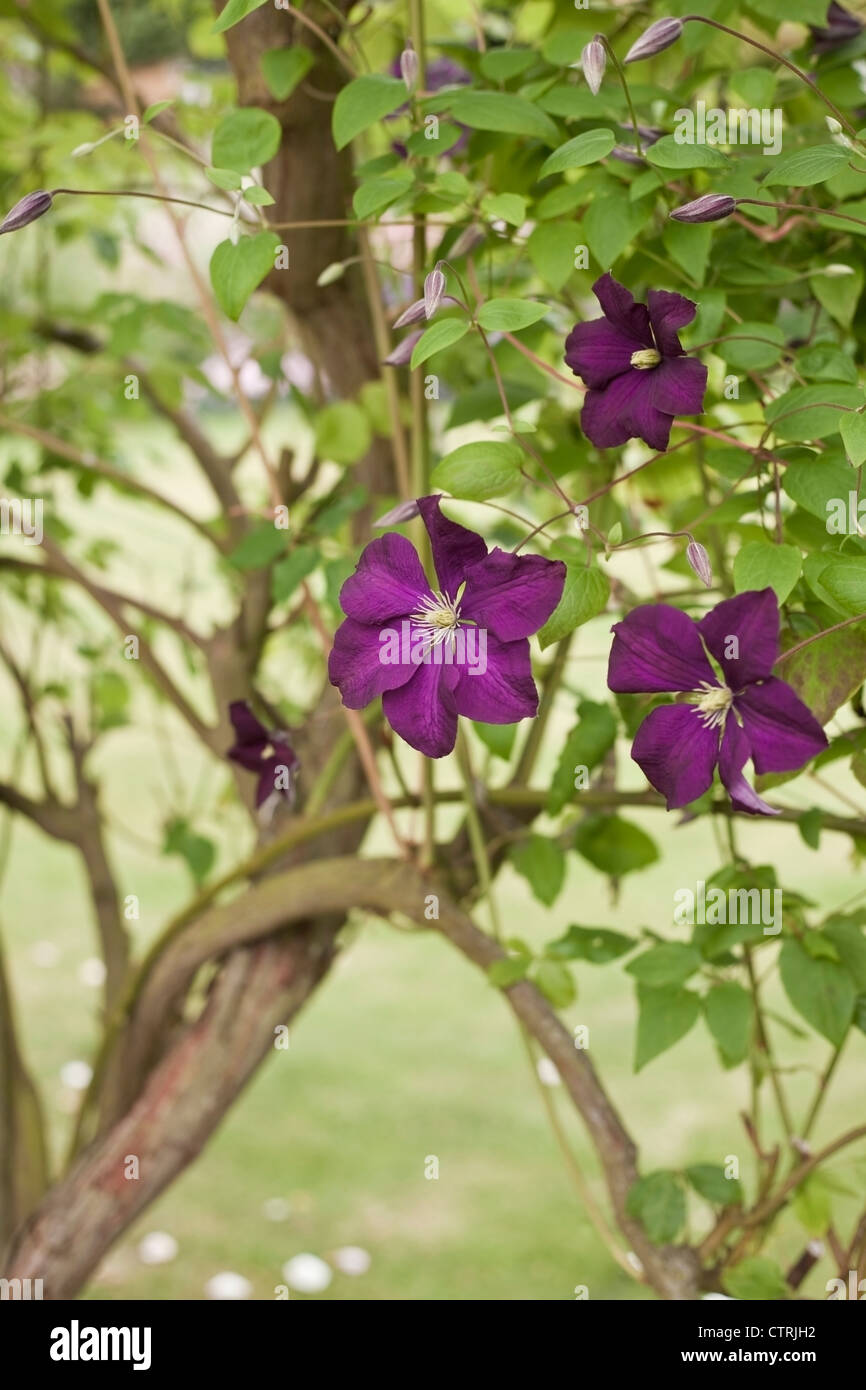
(657, 648)
(623, 411)
(248, 731)
(598, 351)
(668, 313)
(356, 667)
(505, 692)
(733, 756)
(423, 711)
(283, 760)
(676, 753)
(512, 595)
(783, 732)
(678, 385)
(454, 547)
(619, 306)
(387, 583)
(753, 619)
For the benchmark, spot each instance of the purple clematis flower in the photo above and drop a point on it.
(841, 28)
(747, 713)
(634, 365)
(436, 651)
(268, 754)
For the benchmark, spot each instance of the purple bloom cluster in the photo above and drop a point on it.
(503, 597)
(745, 712)
(634, 364)
(264, 752)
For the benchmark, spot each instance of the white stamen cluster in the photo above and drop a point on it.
(712, 703)
(439, 615)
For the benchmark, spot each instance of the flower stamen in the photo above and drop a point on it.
(645, 358)
(712, 703)
(439, 616)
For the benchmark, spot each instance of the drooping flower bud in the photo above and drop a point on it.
(404, 511)
(409, 66)
(593, 60)
(401, 354)
(434, 288)
(414, 314)
(712, 207)
(657, 37)
(467, 241)
(31, 206)
(835, 271)
(699, 560)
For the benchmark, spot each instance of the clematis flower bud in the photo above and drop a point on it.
(434, 288)
(31, 206)
(414, 314)
(402, 353)
(404, 511)
(409, 66)
(700, 562)
(593, 60)
(656, 39)
(712, 207)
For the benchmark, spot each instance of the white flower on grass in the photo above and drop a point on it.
(351, 1259)
(92, 972)
(76, 1075)
(157, 1248)
(276, 1209)
(548, 1074)
(228, 1285)
(307, 1273)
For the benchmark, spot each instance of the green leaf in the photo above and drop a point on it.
(853, 431)
(828, 672)
(374, 195)
(667, 153)
(592, 736)
(709, 1181)
(284, 68)
(760, 565)
(198, 852)
(659, 1204)
(245, 138)
(845, 581)
(503, 113)
(258, 197)
(500, 64)
(584, 596)
(806, 167)
(225, 178)
(838, 294)
(235, 271)
(234, 12)
(744, 354)
(109, 693)
(508, 970)
(668, 964)
(155, 109)
(664, 1016)
(289, 573)
(343, 432)
(498, 738)
(729, 1013)
(363, 102)
(689, 246)
(509, 315)
(555, 982)
(584, 149)
(850, 944)
(507, 207)
(613, 845)
(813, 482)
(551, 249)
(755, 1278)
(821, 991)
(612, 222)
(811, 412)
(812, 1205)
(444, 333)
(598, 945)
(478, 471)
(259, 547)
(541, 862)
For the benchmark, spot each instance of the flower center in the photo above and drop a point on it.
(439, 615)
(646, 358)
(712, 703)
